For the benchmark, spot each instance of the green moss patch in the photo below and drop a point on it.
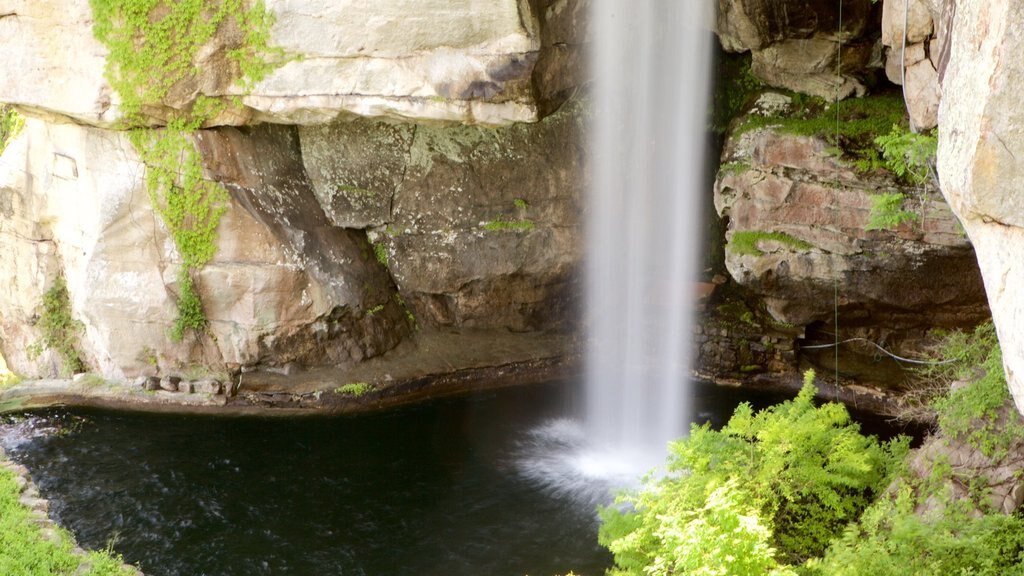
(746, 242)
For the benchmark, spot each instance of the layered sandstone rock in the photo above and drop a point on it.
(980, 140)
(454, 60)
(822, 256)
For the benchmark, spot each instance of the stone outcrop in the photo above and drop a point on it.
(923, 26)
(284, 285)
(487, 63)
(801, 44)
(817, 206)
(980, 139)
(479, 227)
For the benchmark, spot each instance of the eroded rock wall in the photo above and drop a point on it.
(479, 227)
(284, 285)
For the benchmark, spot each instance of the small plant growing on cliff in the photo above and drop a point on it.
(908, 155)
(887, 212)
(59, 329)
(154, 45)
(11, 124)
(356, 389)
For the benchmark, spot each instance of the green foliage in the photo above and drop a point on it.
(356, 389)
(11, 124)
(59, 329)
(189, 205)
(887, 212)
(503, 224)
(154, 46)
(380, 251)
(190, 308)
(908, 155)
(26, 551)
(892, 540)
(745, 242)
(860, 120)
(976, 412)
(520, 204)
(375, 310)
(797, 474)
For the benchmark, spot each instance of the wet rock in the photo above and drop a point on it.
(151, 384)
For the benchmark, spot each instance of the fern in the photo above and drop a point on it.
(803, 471)
(908, 155)
(887, 212)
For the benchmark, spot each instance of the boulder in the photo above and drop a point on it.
(462, 61)
(980, 136)
(800, 44)
(803, 214)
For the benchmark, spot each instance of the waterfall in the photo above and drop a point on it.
(651, 63)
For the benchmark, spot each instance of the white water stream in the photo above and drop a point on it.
(651, 63)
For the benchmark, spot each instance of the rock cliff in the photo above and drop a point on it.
(398, 166)
(980, 134)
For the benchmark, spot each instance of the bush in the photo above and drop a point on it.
(793, 476)
(892, 540)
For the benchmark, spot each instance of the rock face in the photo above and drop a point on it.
(921, 274)
(923, 25)
(980, 135)
(74, 205)
(479, 227)
(487, 63)
(800, 44)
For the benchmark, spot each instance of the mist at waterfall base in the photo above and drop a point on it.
(651, 63)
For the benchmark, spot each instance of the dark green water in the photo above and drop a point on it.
(430, 490)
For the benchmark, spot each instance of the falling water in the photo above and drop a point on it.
(651, 63)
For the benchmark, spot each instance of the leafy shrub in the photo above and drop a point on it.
(887, 212)
(891, 540)
(59, 329)
(795, 475)
(978, 412)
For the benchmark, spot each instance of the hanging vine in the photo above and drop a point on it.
(153, 47)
